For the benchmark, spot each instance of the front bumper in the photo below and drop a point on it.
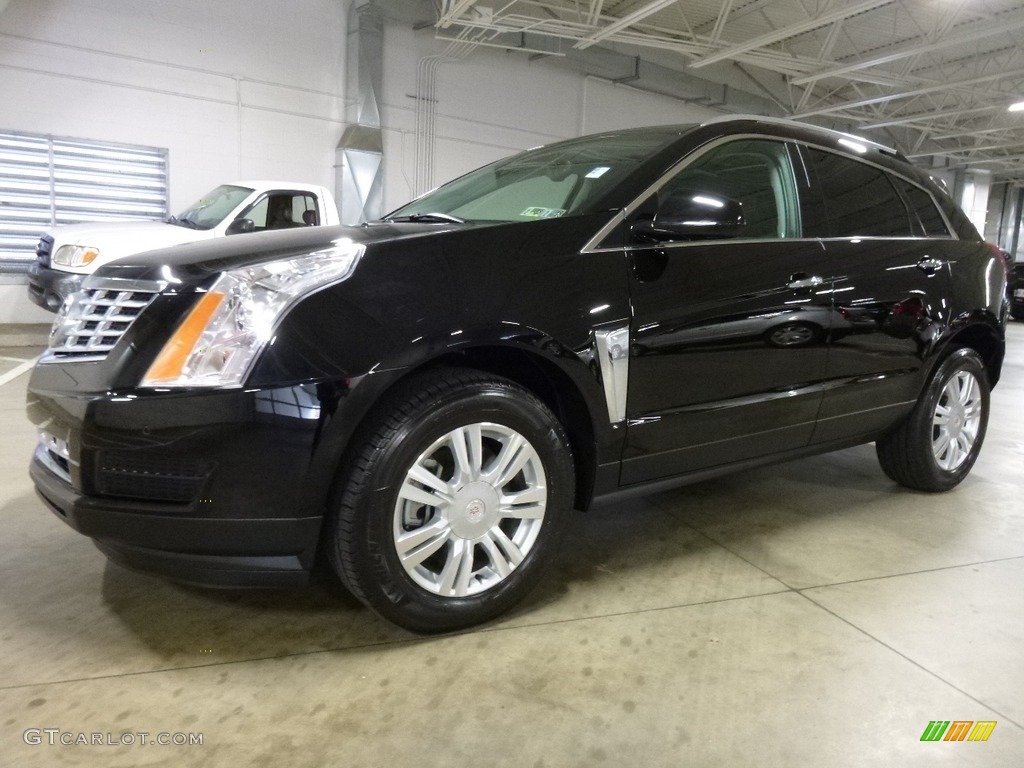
(49, 287)
(210, 488)
(196, 550)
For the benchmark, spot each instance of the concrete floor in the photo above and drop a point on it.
(809, 614)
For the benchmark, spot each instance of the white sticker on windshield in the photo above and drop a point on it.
(598, 172)
(543, 213)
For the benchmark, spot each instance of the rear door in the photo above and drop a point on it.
(890, 249)
(729, 330)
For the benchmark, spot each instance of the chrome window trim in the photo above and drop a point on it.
(594, 244)
(751, 241)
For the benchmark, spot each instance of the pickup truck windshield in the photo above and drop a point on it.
(562, 179)
(209, 210)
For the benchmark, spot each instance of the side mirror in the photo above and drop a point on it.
(691, 214)
(240, 227)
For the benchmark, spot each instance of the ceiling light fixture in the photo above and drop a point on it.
(1018, 107)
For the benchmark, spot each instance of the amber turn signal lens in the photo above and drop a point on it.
(170, 363)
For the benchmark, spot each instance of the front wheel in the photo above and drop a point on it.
(455, 502)
(936, 446)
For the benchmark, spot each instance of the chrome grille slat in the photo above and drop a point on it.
(93, 322)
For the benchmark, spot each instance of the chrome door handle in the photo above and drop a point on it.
(801, 281)
(930, 265)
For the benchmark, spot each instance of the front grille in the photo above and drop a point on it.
(139, 476)
(44, 250)
(97, 317)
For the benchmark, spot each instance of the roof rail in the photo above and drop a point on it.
(797, 123)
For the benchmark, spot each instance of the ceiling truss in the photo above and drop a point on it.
(935, 78)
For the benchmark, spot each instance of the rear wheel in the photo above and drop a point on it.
(454, 504)
(935, 448)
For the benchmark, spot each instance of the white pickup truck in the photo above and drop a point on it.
(66, 254)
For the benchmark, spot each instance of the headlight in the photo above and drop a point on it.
(218, 341)
(75, 255)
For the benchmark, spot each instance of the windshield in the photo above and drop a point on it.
(562, 179)
(209, 210)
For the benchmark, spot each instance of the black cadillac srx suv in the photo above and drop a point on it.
(421, 401)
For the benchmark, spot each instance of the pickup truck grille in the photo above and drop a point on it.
(97, 317)
(44, 250)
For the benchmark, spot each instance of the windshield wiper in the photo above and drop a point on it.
(435, 217)
(183, 222)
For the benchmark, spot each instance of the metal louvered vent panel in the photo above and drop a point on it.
(45, 181)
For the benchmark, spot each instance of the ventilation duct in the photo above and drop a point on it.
(359, 156)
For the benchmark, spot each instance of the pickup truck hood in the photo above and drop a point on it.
(116, 239)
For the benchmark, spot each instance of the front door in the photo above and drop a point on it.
(730, 329)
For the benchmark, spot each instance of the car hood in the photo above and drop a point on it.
(194, 262)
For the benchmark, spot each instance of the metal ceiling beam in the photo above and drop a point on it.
(909, 94)
(791, 31)
(967, 150)
(1007, 159)
(924, 117)
(977, 132)
(981, 31)
(723, 14)
(626, 21)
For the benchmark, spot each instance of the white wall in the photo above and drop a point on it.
(493, 103)
(254, 88)
(232, 88)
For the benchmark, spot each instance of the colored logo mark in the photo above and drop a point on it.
(958, 730)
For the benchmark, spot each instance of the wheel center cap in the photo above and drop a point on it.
(474, 510)
(956, 422)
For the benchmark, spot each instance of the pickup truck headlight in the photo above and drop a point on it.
(75, 255)
(218, 341)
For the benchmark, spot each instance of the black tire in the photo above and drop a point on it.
(928, 456)
(379, 506)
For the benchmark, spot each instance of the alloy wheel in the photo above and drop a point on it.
(470, 509)
(956, 421)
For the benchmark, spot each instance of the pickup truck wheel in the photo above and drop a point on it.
(936, 446)
(454, 503)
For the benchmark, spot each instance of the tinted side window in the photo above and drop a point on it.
(756, 174)
(925, 216)
(859, 198)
